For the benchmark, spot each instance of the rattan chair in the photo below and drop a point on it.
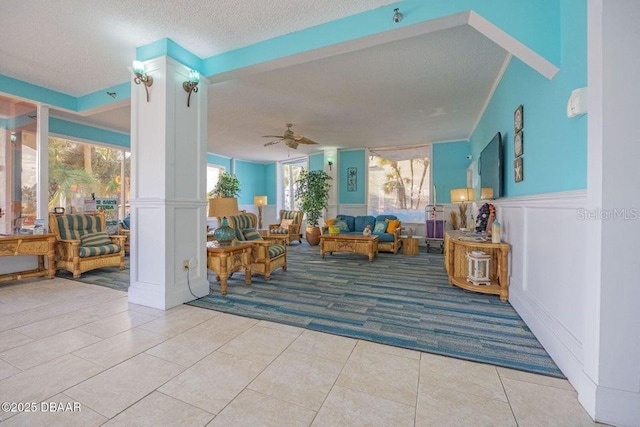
(268, 253)
(82, 243)
(292, 231)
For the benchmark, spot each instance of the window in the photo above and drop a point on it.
(79, 170)
(213, 173)
(399, 186)
(290, 173)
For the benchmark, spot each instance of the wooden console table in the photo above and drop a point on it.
(456, 246)
(227, 259)
(30, 244)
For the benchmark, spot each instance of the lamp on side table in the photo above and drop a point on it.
(223, 207)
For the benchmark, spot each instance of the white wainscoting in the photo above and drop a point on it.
(547, 271)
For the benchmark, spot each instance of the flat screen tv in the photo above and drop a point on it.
(490, 167)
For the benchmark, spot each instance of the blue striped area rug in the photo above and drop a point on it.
(399, 300)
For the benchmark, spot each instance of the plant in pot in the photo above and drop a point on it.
(223, 203)
(312, 191)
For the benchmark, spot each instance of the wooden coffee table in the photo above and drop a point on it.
(365, 245)
(227, 259)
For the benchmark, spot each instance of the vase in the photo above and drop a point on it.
(313, 236)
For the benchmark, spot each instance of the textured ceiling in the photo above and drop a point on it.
(408, 92)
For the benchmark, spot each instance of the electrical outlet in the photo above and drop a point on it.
(193, 263)
(185, 264)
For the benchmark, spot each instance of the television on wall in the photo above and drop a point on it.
(490, 167)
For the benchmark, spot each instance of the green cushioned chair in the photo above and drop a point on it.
(292, 231)
(82, 243)
(268, 253)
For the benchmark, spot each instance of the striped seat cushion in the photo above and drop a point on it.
(251, 234)
(89, 251)
(275, 250)
(72, 227)
(279, 230)
(95, 239)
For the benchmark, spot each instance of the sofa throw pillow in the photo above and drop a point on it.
(95, 239)
(342, 225)
(392, 225)
(251, 234)
(285, 223)
(380, 227)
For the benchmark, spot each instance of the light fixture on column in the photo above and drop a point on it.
(260, 202)
(142, 76)
(191, 85)
(330, 161)
(397, 16)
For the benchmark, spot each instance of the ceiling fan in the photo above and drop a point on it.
(289, 138)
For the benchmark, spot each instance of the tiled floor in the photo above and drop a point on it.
(86, 347)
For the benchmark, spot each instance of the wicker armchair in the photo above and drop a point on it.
(268, 253)
(82, 243)
(292, 231)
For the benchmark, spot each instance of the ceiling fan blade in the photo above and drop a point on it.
(273, 142)
(305, 140)
(273, 136)
(291, 143)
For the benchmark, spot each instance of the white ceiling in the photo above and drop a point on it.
(420, 89)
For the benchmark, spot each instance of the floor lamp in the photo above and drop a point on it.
(260, 202)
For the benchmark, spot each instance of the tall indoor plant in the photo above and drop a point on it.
(312, 191)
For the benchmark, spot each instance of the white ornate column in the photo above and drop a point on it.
(168, 195)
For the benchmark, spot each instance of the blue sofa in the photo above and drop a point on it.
(387, 242)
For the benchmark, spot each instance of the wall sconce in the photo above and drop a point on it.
(330, 161)
(397, 16)
(142, 76)
(191, 85)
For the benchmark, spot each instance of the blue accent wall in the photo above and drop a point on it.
(449, 168)
(316, 162)
(214, 159)
(555, 147)
(347, 159)
(270, 182)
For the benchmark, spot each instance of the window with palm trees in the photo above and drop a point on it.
(399, 187)
(78, 170)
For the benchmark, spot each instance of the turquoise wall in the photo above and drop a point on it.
(252, 181)
(555, 147)
(270, 182)
(449, 169)
(347, 159)
(316, 162)
(214, 159)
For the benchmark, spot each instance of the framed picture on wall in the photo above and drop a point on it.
(518, 119)
(352, 179)
(518, 140)
(517, 170)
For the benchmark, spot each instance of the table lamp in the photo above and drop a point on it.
(462, 196)
(260, 202)
(223, 207)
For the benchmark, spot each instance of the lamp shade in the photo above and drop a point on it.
(260, 200)
(223, 207)
(486, 193)
(461, 195)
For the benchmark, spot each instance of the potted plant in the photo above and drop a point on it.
(228, 185)
(312, 191)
